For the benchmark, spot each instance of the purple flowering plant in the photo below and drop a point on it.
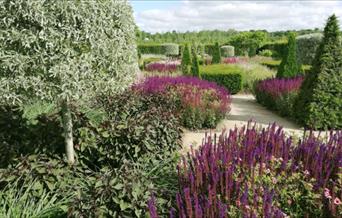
(252, 172)
(199, 103)
(279, 94)
(162, 67)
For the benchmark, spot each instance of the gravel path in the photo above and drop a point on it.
(243, 109)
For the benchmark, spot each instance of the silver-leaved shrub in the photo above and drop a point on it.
(65, 52)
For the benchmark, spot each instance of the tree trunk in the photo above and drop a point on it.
(67, 130)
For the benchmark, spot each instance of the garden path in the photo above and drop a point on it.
(243, 109)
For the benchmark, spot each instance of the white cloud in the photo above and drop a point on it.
(240, 15)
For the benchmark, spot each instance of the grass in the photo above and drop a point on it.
(19, 201)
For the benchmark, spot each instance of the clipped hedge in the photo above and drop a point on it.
(150, 49)
(278, 49)
(227, 51)
(170, 49)
(274, 64)
(231, 81)
(307, 46)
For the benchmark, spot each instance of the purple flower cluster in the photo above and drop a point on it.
(162, 67)
(276, 87)
(222, 175)
(192, 90)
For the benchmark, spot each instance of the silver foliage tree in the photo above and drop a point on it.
(65, 52)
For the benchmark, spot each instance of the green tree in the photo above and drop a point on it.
(216, 54)
(186, 60)
(289, 66)
(195, 65)
(246, 43)
(65, 53)
(319, 104)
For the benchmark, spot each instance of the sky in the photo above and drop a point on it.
(194, 15)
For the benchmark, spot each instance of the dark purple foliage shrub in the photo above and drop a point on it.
(251, 172)
(279, 94)
(200, 103)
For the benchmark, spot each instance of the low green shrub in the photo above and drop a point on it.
(227, 51)
(231, 81)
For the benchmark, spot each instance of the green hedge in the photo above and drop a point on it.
(150, 49)
(274, 64)
(227, 51)
(170, 49)
(307, 46)
(278, 49)
(231, 81)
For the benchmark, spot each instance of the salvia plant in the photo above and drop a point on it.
(253, 172)
(201, 103)
(277, 87)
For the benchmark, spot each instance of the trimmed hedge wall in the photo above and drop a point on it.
(274, 64)
(150, 49)
(307, 46)
(169, 49)
(231, 81)
(227, 51)
(278, 49)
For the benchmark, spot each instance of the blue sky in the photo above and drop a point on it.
(193, 15)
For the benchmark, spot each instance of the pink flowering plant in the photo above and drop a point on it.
(252, 172)
(199, 103)
(162, 67)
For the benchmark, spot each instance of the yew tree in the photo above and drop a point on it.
(65, 52)
(319, 104)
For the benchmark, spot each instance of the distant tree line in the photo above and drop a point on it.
(213, 36)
